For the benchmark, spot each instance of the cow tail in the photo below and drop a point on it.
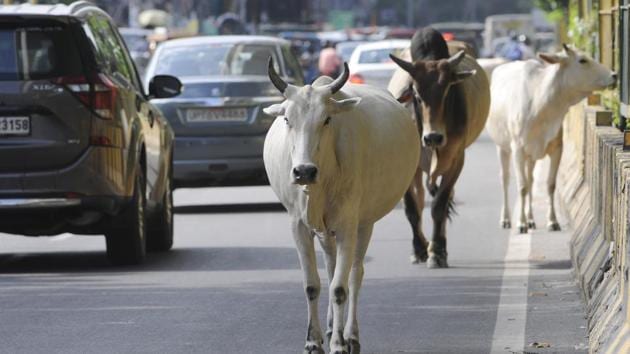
(450, 211)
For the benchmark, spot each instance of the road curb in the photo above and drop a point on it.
(594, 188)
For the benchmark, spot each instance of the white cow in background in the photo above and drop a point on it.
(489, 64)
(338, 160)
(529, 101)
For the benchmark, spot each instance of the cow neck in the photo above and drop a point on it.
(321, 196)
(552, 98)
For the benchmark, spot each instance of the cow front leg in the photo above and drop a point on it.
(442, 206)
(555, 154)
(306, 252)
(328, 244)
(414, 205)
(351, 332)
(504, 158)
(346, 238)
(520, 166)
(531, 224)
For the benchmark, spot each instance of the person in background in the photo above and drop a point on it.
(517, 48)
(329, 62)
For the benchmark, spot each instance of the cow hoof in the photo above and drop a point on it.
(554, 226)
(338, 351)
(506, 224)
(313, 349)
(522, 229)
(355, 347)
(531, 224)
(418, 258)
(436, 261)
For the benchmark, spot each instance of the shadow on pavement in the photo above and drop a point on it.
(178, 259)
(229, 208)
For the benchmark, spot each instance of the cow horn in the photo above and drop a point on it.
(275, 78)
(456, 58)
(338, 83)
(405, 65)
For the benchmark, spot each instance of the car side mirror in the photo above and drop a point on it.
(164, 86)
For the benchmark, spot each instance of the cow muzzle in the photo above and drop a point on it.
(305, 174)
(433, 140)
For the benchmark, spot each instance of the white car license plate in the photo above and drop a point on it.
(15, 126)
(216, 115)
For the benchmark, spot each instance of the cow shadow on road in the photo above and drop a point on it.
(229, 208)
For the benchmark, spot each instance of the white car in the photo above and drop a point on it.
(370, 62)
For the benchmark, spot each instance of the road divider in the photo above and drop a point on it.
(594, 185)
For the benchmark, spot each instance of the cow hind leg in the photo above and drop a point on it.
(531, 224)
(555, 154)
(414, 205)
(442, 206)
(306, 252)
(520, 165)
(504, 159)
(351, 331)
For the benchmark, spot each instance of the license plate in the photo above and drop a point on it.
(216, 115)
(15, 125)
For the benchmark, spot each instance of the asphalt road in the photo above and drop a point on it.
(232, 284)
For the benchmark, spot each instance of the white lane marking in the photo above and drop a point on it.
(509, 328)
(61, 237)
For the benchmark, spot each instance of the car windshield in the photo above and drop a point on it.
(377, 56)
(223, 59)
(36, 53)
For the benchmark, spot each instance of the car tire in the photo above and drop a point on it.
(126, 238)
(160, 237)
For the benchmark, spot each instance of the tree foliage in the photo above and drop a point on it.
(552, 5)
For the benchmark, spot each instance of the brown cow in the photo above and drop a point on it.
(451, 99)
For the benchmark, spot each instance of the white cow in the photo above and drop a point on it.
(338, 160)
(529, 100)
(489, 64)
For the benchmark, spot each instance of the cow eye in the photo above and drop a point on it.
(286, 120)
(583, 61)
(327, 121)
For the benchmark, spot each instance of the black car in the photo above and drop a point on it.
(81, 148)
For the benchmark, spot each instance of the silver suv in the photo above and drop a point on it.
(81, 148)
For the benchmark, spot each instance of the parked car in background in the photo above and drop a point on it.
(345, 49)
(467, 32)
(138, 43)
(81, 148)
(370, 62)
(218, 120)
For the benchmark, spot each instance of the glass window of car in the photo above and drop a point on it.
(108, 50)
(377, 56)
(294, 71)
(37, 52)
(219, 59)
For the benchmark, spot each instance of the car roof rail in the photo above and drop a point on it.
(78, 5)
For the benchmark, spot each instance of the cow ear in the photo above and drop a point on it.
(463, 75)
(570, 52)
(406, 95)
(342, 105)
(549, 58)
(274, 110)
